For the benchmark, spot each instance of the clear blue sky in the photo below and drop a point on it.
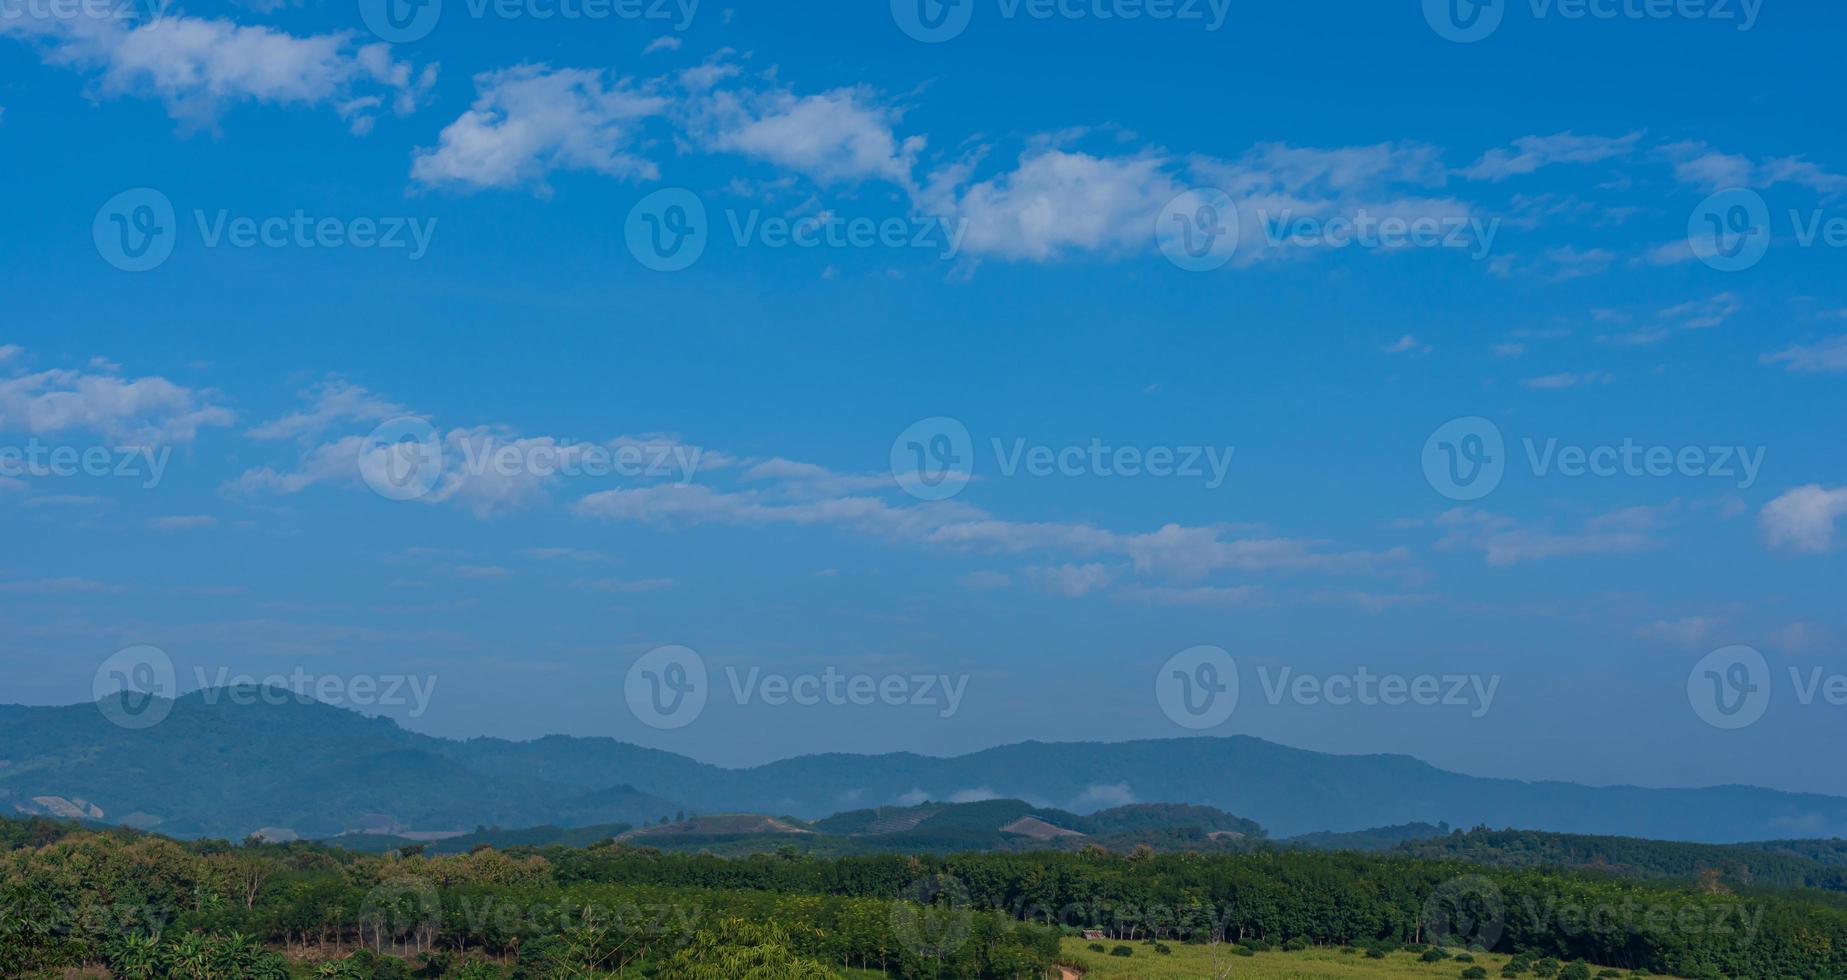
(1562, 161)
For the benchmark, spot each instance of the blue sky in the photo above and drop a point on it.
(1558, 163)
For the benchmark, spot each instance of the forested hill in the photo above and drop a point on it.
(224, 767)
(1775, 864)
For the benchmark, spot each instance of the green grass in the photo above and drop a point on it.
(1195, 962)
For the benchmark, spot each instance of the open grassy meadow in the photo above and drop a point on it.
(1196, 962)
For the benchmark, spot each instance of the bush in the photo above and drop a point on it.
(1475, 973)
(1465, 958)
(1095, 947)
(1295, 945)
(1123, 951)
(1375, 953)
(1163, 949)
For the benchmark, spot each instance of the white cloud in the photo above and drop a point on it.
(1071, 581)
(1529, 153)
(665, 42)
(1687, 631)
(197, 67)
(1505, 541)
(1102, 796)
(334, 401)
(1556, 382)
(9, 351)
(183, 522)
(1055, 203)
(1237, 596)
(623, 586)
(530, 120)
(1802, 520)
(841, 135)
(1699, 165)
(1825, 356)
(1407, 344)
(141, 411)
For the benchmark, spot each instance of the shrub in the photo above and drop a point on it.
(1475, 973)
(1295, 945)
(1095, 947)
(1123, 951)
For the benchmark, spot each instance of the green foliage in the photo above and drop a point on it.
(1122, 951)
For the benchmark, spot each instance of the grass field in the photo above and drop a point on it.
(1195, 962)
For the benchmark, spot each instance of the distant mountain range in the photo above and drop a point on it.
(226, 767)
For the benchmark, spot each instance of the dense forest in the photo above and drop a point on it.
(149, 906)
(1775, 864)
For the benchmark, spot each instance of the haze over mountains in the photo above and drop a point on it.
(224, 769)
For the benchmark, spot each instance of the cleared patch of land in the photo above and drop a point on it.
(1196, 962)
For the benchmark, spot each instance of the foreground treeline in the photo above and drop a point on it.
(1773, 864)
(151, 907)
